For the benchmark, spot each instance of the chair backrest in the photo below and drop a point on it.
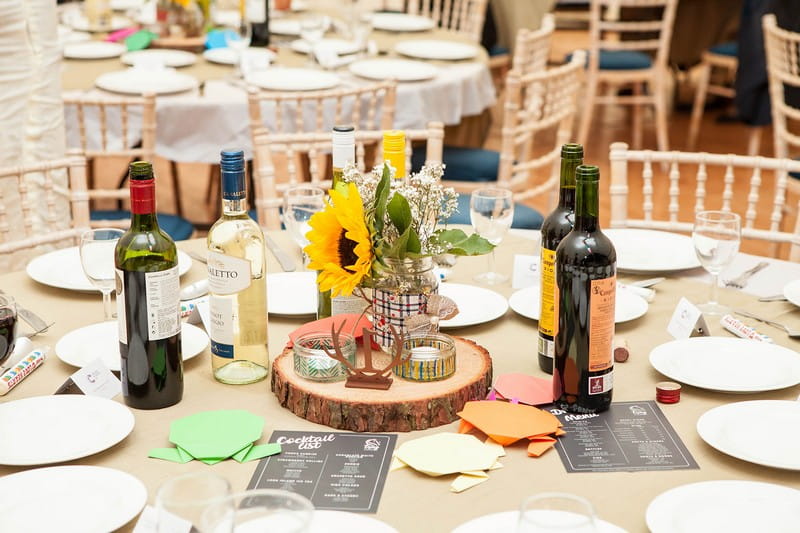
(35, 196)
(269, 148)
(652, 32)
(462, 16)
(783, 65)
(532, 48)
(712, 176)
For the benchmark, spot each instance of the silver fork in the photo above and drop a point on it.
(793, 333)
(740, 281)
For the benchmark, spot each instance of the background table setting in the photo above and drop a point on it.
(743, 444)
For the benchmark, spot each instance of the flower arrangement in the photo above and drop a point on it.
(373, 217)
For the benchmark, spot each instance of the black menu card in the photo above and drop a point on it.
(339, 471)
(630, 436)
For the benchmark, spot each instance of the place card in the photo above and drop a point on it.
(630, 436)
(526, 271)
(94, 379)
(687, 321)
(338, 471)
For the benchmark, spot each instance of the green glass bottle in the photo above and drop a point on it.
(554, 228)
(586, 281)
(148, 302)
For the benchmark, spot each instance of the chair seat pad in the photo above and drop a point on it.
(730, 48)
(176, 227)
(622, 60)
(463, 164)
(524, 217)
(498, 50)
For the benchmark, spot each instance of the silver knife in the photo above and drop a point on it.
(647, 282)
(287, 263)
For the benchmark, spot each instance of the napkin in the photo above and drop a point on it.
(524, 389)
(213, 436)
(324, 326)
(139, 40)
(506, 423)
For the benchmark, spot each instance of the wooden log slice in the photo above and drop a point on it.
(406, 406)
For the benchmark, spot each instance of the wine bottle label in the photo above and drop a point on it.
(343, 305)
(256, 11)
(601, 322)
(227, 274)
(120, 297)
(221, 326)
(601, 384)
(547, 315)
(163, 303)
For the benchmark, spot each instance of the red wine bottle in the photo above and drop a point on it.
(258, 15)
(148, 302)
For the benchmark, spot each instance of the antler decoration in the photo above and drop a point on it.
(368, 377)
(438, 308)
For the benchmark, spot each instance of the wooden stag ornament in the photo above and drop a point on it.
(368, 376)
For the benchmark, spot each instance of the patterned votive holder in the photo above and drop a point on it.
(311, 362)
(427, 357)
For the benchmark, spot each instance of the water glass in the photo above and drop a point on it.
(299, 205)
(237, 37)
(312, 29)
(716, 236)
(491, 211)
(8, 326)
(259, 511)
(554, 512)
(181, 501)
(97, 259)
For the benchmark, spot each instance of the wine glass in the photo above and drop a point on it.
(716, 236)
(259, 510)
(97, 259)
(237, 37)
(299, 204)
(491, 211)
(8, 326)
(181, 501)
(312, 29)
(555, 512)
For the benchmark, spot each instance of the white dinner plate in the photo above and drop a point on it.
(507, 521)
(70, 499)
(285, 27)
(93, 50)
(292, 293)
(81, 346)
(642, 250)
(434, 49)
(340, 46)
(401, 22)
(67, 35)
(628, 306)
(341, 522)
(62, 269)
(732, 506)
(764, 432)
(476, 305)
(792, 292)
(229, 56)
(126, 5)
(79, 22)
(727, 365)
(160, 56)
(52, 429)
(394, 69)
(293, 79)
(141, 81)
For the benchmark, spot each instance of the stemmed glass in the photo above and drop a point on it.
(237, 37)
(8, 326)
(312, 29)
(260, 510)
(97, 259)
(716, 236)
(181, 501)
(554, 512)
(299, 204)
(491, 211)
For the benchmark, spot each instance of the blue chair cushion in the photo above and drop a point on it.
(463, 164)
(524, 217)
(726, 49)
(176, 227)
(622, 60)
(498, 50)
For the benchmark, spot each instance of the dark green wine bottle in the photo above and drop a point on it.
(554, 228)
(148, 302)
(586, 280)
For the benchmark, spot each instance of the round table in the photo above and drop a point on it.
(619, 497)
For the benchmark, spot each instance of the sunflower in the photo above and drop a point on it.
(340, 245)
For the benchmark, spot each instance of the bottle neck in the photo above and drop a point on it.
(234, 207)
(143, 205)
(586, 205)
(234, 191)
(566, 191)
(342, 155)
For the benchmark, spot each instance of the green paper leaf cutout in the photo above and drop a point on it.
(216, 434)
(168, 454)
(139, 40)
(259, 451)
(241, 454)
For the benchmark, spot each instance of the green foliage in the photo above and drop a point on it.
(456, 242)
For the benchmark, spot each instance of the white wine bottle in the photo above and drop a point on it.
(237, 283)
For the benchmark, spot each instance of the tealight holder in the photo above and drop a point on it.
(313, 363)
(427, 357)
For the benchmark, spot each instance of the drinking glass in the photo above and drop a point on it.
(555, 512)
(716, 236)
(299, 204)
(259, 511)
(237, 37)
(8, 326)
(181, 501)
(97, 259)
(491, 211)
(312, 29)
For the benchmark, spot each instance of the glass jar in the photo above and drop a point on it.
(427, 357)
(313, 363)
(400, 291)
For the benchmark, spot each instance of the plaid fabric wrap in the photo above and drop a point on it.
(391, 308)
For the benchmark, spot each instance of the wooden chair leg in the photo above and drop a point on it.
(636, 115)
(588, 111)
(213, 192)
(700, 93)
(754, 140)
(662, 133)
(176, 187)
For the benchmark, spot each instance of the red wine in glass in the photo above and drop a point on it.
(8, 328)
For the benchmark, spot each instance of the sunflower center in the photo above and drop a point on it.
(347, 253)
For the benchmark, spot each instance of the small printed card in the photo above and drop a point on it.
(526, 271)
(687, 321)
(94, 379)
